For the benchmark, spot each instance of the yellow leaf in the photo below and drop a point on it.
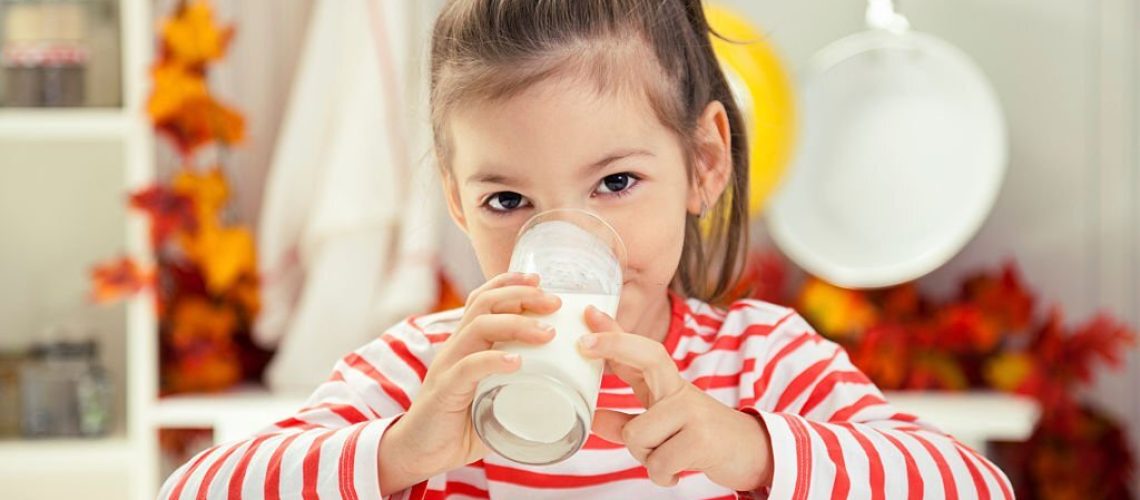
(945, 370)
(1008, 371)
(837, 312)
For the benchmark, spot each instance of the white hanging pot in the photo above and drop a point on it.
(902, 152)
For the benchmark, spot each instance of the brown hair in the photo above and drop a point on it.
(494, 49)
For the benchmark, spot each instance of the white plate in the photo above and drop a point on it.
(902, 153)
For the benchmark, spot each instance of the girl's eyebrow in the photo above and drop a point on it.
(617, 155)
(492, 175)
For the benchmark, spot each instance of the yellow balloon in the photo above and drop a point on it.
(763, 91)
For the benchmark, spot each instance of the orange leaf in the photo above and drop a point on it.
(223, 254)
(193, 37)
(203, 354)
(115, 280)
(245, 293)
(200, 121)
(174, 86)
(197, 320)
(208, 191)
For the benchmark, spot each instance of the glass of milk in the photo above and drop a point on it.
(541, 413)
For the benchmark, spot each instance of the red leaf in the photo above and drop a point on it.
(169, 212)
(1003, 298)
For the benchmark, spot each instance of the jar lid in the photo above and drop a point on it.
(44, 55)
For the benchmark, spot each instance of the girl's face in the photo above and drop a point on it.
(562, 144)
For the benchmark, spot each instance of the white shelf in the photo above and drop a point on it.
(972, 417)
(126, 465)
(19, 453)
(66, 468)
(51, 124)
(232, 415)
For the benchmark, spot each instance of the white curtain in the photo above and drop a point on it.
(350, 220)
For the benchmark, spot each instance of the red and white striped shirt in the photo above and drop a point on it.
(832, 433)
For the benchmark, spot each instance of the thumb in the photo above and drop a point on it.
(599, 321)
(608, 425)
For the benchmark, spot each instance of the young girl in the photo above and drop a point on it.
(618, 107)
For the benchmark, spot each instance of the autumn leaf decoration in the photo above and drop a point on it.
(204, 271)
(181, 106)
(991, 335)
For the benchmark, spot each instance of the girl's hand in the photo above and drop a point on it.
(435, 435)
(682, 428)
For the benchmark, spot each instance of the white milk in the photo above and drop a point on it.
(541, 413)
(533, 410)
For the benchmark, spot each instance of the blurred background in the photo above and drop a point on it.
(204, 204)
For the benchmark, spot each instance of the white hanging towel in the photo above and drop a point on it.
(349, 226)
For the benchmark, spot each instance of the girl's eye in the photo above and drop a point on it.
(616, 183)
(505, 201)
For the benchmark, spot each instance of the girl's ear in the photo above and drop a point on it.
(713, 160)
(454, 205)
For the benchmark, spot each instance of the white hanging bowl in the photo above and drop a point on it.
(902, 153)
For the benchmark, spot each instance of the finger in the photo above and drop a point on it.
(651, 429)
(629, 349)
(460, 381)
(666, 463)
(608, 424)
(515, 299)
(486, 330)
(505, 279)
(599, 321)
(647, 357)
(502, 280)
(632, 377)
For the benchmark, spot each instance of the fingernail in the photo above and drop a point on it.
(589, 341)
(510, 357)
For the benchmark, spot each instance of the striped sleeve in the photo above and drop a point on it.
(834, 435)
(330, 448)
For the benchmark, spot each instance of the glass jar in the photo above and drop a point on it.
(40, 77)
(65, 391)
